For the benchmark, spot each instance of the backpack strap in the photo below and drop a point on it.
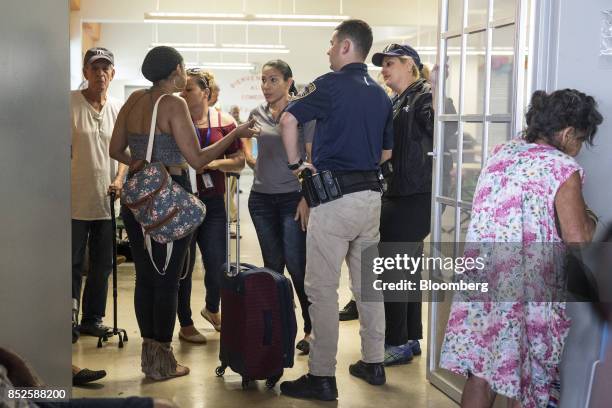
(169, 247)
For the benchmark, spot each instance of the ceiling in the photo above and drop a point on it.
(124, 31)
(377, 13)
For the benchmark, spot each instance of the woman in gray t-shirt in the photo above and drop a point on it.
(277, 208)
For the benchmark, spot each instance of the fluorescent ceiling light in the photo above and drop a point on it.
(496, 51)
(218, 64)
(295, 20)
(183, 45)
(230, 48)
(427, 52)
(263, 46)
(238, 66)
(285, 23)
(233, 50)
(299, 17)
(159, 14)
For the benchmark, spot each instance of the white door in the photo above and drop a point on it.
(479, 103)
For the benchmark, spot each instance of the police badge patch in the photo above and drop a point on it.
(308, 89)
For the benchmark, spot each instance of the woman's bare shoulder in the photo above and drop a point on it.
(227, 120)
(135, 97)
(173, 103)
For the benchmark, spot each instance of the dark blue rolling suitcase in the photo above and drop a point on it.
(258, 327)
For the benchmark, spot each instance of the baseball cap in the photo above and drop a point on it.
(397, 50)
(97, 53)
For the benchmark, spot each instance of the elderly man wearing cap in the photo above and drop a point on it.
(94, 176)
(406, 204)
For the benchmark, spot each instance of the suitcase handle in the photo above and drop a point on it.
(231, 272)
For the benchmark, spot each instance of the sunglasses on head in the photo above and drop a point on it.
(197, 73)
(392, 47)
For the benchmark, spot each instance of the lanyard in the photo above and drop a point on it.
(208, 132)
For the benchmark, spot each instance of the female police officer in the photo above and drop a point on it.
(406, 205)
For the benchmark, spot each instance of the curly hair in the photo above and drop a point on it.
(204, 79)
(551, 113)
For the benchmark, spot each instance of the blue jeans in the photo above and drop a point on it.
(282, 241)
(210, 237)
(99, 234)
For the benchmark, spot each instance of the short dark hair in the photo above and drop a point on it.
(359, 32)
(551, 113)
(160, 62)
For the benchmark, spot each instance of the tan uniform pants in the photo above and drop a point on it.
(338, 231)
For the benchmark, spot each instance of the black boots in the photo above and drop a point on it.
(324, 388)
(304, 346)
(349, 312)
(311, 387)
(372, 373)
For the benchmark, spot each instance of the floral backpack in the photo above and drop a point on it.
(164, 209)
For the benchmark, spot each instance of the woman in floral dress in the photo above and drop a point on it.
(513, 348)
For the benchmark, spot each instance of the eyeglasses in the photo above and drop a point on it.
(198, 74)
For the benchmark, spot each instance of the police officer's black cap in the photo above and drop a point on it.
(397, 50)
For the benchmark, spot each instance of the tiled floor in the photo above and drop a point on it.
(406, 385)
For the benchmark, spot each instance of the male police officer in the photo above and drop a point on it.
(353, 135)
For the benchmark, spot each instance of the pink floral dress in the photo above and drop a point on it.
(515, 346)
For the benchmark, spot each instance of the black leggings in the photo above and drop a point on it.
(210, 238)
(405, 219)
(155, 296)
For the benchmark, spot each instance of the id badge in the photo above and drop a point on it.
(207, 180)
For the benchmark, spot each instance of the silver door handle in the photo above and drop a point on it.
(432, 153)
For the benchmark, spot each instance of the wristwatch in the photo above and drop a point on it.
(295, 166)
(592, 216)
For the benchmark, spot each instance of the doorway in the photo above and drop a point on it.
(483, 83)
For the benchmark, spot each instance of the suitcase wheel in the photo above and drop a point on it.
(271, 382)
(245, 383)
(220, 371)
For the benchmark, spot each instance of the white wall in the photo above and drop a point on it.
(580, 66)
(124, 32)
(76, 57)
(379, 12)
(35, 271)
